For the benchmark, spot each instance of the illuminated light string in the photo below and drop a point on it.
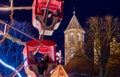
(10, 67)
(19, 30)
(15, 8)
(1, 33)
(8, 36)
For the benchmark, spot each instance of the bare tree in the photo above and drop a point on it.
(100, 33)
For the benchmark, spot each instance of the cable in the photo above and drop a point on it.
(19, 31)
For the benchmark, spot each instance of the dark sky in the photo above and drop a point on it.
(84, 9)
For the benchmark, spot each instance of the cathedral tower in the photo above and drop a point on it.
(74, 38)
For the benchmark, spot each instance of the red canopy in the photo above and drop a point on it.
(44, 46)
(47, 47)
(44, 42)
(53, 5)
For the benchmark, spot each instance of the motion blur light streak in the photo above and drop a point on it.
(15, 8)
(10, 67)
(1, 33)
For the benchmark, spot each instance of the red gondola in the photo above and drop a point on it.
(47, 48)
(47, 15)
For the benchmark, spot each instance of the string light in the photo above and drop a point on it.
(19, 31)
(10, 67)
(12, 8)
(15, 8)
(14, 39)
(5, 8)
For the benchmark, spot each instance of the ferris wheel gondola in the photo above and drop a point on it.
(47, 15)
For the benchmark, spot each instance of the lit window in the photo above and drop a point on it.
(71, 36)
(78, 36)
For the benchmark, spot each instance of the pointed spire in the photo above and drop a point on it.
(74, 23)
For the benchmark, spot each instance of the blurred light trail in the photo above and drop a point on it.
(10, 67)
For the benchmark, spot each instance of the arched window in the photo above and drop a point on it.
(83, 35)
(71, 36)
(78, 37)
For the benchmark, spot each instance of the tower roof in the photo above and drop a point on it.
(74, 23)
(59, 72)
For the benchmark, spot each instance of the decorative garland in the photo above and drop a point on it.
(14, 39)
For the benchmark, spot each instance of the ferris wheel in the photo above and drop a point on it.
(46, 17)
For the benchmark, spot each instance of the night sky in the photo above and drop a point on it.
(83, 8)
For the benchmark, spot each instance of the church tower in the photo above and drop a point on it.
(74, 38)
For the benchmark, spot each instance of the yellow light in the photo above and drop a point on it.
(15, 8)
(5, 8)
